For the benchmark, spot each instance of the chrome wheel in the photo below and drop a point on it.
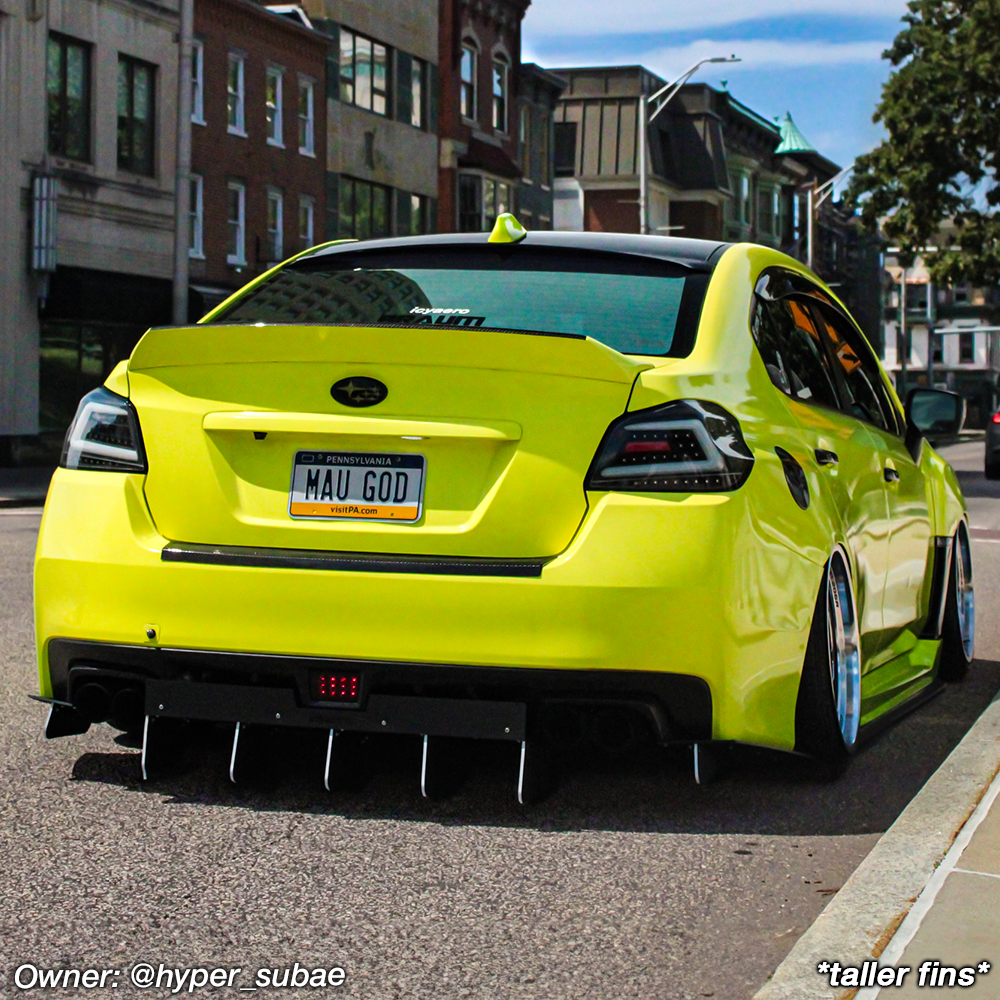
(965, 596)
(844, 649)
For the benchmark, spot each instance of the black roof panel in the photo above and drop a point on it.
(701, 255)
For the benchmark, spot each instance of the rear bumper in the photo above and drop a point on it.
(687, 603)
(418, 698)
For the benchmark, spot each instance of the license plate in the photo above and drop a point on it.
(357, 486)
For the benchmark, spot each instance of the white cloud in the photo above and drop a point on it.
(598, 17)
(756, 54)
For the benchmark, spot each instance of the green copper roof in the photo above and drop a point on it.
(792, 140)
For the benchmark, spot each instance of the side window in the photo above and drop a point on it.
(789, 343)
(862, 389)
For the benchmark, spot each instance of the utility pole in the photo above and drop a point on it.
(903, 339)
(182, 192)
(645, 120)
(643, 177)
(930, 334)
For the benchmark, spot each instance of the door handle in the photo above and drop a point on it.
(891, 475)
(824, 457)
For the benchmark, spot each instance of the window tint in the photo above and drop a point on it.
(465, 288)
(861, 382)
(789, 343)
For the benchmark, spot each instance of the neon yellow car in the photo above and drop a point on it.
(528, 487)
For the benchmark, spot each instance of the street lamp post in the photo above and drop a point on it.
(646, 118)
(815, 196)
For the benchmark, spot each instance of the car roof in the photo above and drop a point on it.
(699, 255)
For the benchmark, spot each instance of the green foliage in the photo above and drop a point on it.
(941, 108)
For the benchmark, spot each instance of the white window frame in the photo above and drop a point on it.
(196, 218)
(236, 97)
(418, 82)
(500, 61)
(308, 148)
(276, 131)
(240, 257)
(198, 81)
(307, 204)
(468, 46)
(276, 236)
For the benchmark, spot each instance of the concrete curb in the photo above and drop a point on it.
(861, 919)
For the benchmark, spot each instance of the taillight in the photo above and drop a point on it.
(996, 418)
(690, 446)
(104, 435)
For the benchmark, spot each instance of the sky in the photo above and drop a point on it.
(819, 59)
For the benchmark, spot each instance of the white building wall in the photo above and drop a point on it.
(21, 126)
(105, 219)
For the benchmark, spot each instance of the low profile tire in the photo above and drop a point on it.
(992, 470)
(958, 633)
(828, 710)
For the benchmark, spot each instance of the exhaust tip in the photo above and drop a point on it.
(92, 701)
(127, 710)
(565, 726)
(614, 730)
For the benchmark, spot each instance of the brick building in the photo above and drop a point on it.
(480, 53)
(258, 161)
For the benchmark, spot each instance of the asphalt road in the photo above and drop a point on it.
(630, 881)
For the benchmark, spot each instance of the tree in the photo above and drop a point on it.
(941, 108)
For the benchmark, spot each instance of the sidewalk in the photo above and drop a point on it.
(24, 487)
(928, 893)
(956, 920)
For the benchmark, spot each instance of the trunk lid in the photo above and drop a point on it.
(507, 425)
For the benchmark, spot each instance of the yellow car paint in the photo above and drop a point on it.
(717, 586)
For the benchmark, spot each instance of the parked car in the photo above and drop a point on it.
(992, 469)
(507, 487)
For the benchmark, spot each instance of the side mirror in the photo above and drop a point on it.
(934, 412)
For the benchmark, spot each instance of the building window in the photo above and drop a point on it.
(470, 204)
(962, 296)
(198, 81)
(307, 117)
(565, 147)
(237, 216)
(196, 217)
(68, 89)
(937, 348)
(235, 96)
(272, 106)
(496, 201)
(307, 221)
(418, 86)
(135, 116)
(765, 220)
(524, 137)
(500, 74)
(966, 348)
(470, 69)
(419, 214)
(275, 248)
(364, 72)
(480, 201)
(741, 188)
(364, 209)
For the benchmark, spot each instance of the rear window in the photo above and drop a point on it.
(633, 304)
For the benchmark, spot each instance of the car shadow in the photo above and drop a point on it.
(651, 790)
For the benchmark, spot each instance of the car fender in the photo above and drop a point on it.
(945, 502)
